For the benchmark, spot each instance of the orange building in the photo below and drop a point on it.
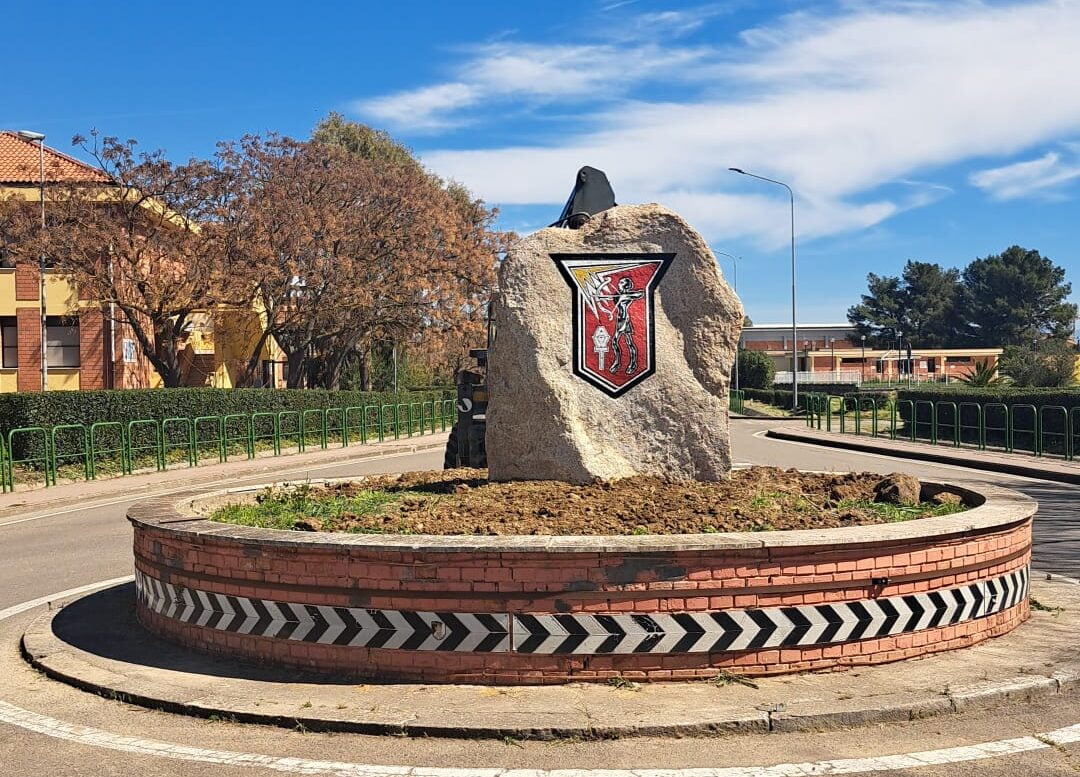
(834, 353)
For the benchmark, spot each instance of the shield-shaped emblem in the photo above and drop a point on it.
(612, 309)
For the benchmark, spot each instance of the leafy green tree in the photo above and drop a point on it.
(375, 145)
(921, 303)
(755, 370)
(932, 315)
(1050, 364)
(878, 315)
(1016, 298)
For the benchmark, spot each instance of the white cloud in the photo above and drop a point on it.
(1041, 177)
(421, 109)
(504, 71)
(838, 106)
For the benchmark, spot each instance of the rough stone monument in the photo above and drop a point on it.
(612, 353)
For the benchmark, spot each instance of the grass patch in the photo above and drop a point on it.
(891, 513)
(766, 409)
(365, 512)
(724, 678)
(768, 499)
(1040, 607)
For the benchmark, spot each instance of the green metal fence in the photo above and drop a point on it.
(1047, 430)
(38, 454)
(737, 400)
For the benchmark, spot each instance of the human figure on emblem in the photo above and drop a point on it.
(624, 329)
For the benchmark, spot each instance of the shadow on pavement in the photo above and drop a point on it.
(104, 624)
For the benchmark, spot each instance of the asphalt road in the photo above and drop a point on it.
(84, 545)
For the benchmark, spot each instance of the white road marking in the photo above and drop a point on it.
(83, 589)
(95, 737)
(221, 482)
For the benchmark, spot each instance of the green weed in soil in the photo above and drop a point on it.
(898, 513)
(286, 508)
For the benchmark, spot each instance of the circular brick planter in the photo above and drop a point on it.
(536, 609)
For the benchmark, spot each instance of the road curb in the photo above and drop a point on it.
(936, 455)
(154, 688)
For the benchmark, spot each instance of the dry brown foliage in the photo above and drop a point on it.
(337, 248)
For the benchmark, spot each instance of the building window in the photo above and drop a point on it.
(9, 337)
(267, 374)
(958, 360)
(62, 341)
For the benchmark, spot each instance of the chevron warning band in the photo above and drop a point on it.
(586, 634)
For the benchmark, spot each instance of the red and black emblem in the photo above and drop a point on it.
(613, 316)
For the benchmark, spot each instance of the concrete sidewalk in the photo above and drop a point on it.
(179, 477)
(1040, 467)
(95, 643)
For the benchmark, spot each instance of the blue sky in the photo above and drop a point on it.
(909, 130)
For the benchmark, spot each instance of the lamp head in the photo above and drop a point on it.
(736, 170)
(29, 135)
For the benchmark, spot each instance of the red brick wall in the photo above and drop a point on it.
(599, 583)
(93, 364)
(28, 322)
(27, 281)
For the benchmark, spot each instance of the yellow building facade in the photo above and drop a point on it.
(86, 346)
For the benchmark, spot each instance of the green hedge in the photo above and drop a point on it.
(1055, 428)
(1004, 394)
(50, 408)
(777, 397)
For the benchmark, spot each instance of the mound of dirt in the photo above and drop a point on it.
(462, 501)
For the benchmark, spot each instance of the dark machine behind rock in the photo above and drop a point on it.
(592, 193)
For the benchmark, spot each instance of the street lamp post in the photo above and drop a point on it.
(862, 363)
(735, 277)
(40, 138)
(794, 325)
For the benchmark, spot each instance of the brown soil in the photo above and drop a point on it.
(758, 499)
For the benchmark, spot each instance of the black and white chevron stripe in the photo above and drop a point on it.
(584, 634)
(354, 626)
(777, 627)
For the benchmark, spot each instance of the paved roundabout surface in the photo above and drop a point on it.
(52, 729)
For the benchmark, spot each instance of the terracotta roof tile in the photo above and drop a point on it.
(19, 164)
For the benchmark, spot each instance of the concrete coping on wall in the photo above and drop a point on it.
(992, 508)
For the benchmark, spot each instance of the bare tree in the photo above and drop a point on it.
(134, 245)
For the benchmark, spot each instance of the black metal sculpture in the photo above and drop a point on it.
(592, 194)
